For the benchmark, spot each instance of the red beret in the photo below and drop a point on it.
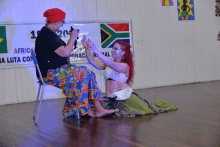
(54, 15)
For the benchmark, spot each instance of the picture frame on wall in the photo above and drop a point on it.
(185, 10)
(167, 3)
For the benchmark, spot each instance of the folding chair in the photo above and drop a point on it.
(41, 88)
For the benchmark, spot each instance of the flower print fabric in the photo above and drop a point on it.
(79, 85)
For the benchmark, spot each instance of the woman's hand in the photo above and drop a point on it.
(92, 46)
(85, 42)
(74, 34)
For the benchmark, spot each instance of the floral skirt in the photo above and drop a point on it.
(79, 85)
(131, 107)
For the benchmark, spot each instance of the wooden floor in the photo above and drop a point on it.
(196, 123)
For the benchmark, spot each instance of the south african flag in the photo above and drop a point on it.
(111, 33)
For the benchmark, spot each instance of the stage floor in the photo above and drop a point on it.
(195, 124)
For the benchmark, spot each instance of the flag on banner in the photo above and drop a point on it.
(3, 42)
(167, 2)
(185, 10)
(111, 33)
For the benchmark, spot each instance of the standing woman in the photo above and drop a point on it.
(119, 75)
(78, 82)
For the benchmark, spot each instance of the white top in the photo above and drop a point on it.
(121, 94)
(116, 76)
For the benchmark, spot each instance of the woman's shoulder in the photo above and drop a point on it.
(43, 33)
(46, 32)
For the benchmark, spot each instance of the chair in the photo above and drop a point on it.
(41, 89)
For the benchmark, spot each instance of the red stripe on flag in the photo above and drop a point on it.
(120, 26)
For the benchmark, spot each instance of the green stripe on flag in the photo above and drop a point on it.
(113, 34)
(3, 41)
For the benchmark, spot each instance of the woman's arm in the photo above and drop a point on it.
(96, 63)
(64, 51)
(118, 67)
(189, 9)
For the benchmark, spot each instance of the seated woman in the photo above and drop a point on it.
(78, 82)
(118, 78)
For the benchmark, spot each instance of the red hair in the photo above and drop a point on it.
(127, 58)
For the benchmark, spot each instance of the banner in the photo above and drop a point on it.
(16, 41)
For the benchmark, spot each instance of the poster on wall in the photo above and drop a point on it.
(217, 8)
(185, 10)
(167, 3)
(218, 37)
(16, 41)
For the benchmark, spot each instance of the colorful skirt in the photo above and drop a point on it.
(79, 85)
(131, 107)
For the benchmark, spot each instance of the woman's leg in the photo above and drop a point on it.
(121, 109)
(80, 86)
(100, 111)
(151, 105)
(91, 112)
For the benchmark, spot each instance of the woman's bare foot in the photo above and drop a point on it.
(103, 112)
(91, 113)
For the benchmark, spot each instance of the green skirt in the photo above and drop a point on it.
(134, 106)
(184, 13)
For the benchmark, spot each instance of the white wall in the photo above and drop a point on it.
(167, 52)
